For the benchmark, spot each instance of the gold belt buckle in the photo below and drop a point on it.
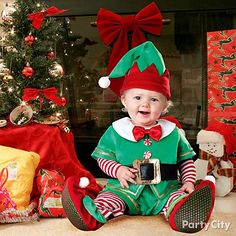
(148, 171)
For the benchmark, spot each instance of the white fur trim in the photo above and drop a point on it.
(210, 178)
(84, 182)
(124, 128)
(205, 136)
(104, 82)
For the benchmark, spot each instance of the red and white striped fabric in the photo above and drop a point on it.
(109, 204)
(172, 197)
(187, 171)
(109, 167)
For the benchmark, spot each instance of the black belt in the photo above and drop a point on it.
(168, 171)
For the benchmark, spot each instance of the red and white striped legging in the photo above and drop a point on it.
(110, 204)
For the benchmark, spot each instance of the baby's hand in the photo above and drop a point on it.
(188, 187)
(125, 175)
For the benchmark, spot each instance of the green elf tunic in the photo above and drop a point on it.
(118, 144)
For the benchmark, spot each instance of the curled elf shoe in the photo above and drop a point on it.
(73, 200)
(192, 212)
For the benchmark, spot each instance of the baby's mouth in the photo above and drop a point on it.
(144, 112)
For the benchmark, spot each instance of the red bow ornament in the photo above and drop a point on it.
(49, 93)
(114, 29)
(139, 132)
(38, 17)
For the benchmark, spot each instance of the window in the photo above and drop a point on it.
(183, 46)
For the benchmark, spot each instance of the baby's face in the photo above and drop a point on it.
(144, 106)
(215, 149)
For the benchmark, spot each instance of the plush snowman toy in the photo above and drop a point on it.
(212, 149)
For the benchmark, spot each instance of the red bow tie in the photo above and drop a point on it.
(139, 132)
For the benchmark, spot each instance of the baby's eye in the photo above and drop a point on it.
(137, 97)
(154, 99)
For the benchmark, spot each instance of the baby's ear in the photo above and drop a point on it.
(165, 110)
(122, 99)
(169, 104)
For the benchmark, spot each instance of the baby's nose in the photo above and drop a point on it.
(145, 104)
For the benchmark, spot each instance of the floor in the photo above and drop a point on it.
(222, 222)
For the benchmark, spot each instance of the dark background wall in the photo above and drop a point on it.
(90, 7)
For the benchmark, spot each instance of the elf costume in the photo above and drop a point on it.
(159, 154)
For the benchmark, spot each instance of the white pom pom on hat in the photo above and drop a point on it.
(104, 82)
(84, 182)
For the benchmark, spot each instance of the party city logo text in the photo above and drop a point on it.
(215, 224)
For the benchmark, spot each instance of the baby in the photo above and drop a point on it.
(148, 158)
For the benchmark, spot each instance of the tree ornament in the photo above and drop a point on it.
(3, 123)
(7, 12)
(3, 40)
(3, 69)
(38, 17)
(64, 101)
(11, 49)
(50, 55)
(27, 71)
(21, 115)
(56, 71)
(7, 77)
(49, 93)
(12, 31)
(29, 39)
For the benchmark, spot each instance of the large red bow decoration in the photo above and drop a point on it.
(49, 93)
(38, 17)
(114, 29)
(139, 132)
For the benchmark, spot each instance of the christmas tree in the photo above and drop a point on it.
(30, 71)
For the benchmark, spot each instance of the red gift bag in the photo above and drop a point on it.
(50, 185)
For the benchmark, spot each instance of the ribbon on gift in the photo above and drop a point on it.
(49, 93)
(114, 29)
(215, 161)
(38, 17)
(5, 200)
